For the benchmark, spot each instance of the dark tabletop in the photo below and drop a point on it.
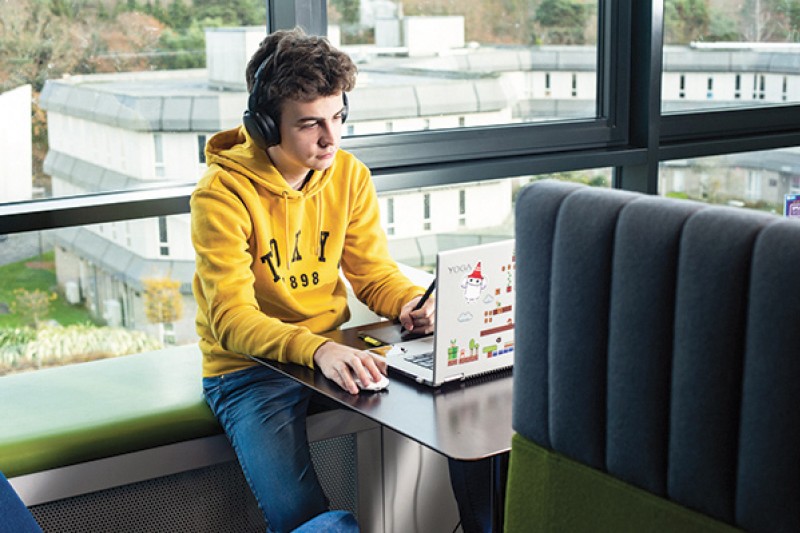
(467, 420)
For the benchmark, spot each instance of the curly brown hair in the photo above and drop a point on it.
(299, 67)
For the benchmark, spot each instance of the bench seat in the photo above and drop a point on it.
(67, 415)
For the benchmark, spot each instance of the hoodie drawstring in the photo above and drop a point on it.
(285, 196)
(290, 240)
(319, 208)
(318, 234)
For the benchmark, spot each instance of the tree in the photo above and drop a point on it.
(347, 15)
(722, 28)
(562, 21)
(33, 306)
(163, 303)
(46, 39)
(686, 21)
(181, 49)
(37, 44)
(178, 15)
(771, 20)
(347, 10)
(789, 12)
(230, 13)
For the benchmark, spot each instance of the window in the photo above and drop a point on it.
(158, 142)
(201, 149)
(455, 222)
(75, 287)
(163, 239)
(169, 333)
(462, 208)
(759, 87)
(426, 211)
(434, 56)
(390, 230)
(435, 144)
(730, 42)
(756, 180)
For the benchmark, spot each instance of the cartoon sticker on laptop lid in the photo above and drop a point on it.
(474, 317)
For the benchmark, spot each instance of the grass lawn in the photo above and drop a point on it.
(36, 273)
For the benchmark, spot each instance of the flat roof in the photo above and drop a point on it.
(466, 81)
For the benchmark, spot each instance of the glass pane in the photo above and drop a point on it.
(114, 97)
(77, 294)
(432, 64)
(721, 54)
(755, 180)
(421, 222)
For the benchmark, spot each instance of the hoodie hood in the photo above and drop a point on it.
(234, 150)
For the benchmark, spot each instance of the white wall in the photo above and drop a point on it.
(724, 87)
(488, 204)
(227, 52)
(125, 151)
(16, 180)
(431, 35)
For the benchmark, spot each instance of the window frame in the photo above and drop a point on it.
(629, 133)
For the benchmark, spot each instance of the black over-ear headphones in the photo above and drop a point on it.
(260, 125)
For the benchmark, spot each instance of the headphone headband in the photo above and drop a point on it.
(254, 100)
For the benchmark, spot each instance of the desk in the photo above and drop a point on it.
(469, 420)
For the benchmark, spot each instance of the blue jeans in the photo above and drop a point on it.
(472, 484)
(263, 414)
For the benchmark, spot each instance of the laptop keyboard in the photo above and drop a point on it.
(424, 360)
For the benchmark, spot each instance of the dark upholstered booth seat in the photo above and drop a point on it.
(657, 382)
(72, 414)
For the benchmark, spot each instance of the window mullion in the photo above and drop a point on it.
(647, 37)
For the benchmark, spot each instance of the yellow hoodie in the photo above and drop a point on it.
(267, 280)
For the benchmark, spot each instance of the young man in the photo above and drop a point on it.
(277, 213)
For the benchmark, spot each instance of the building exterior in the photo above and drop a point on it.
(134, 130)
(16, 183)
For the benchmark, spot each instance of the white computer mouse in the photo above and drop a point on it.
(374, 386)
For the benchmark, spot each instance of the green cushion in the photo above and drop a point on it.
(60, 416)
(549, 492)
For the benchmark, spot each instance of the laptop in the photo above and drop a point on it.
(474, 332)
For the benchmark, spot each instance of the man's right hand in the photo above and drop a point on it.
(342, 363)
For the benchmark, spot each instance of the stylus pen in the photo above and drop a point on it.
(422, 300)
(425, 296)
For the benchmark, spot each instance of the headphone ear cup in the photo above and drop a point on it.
(262, 129)
(254, 130)
(272, 133)
(346, 108)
